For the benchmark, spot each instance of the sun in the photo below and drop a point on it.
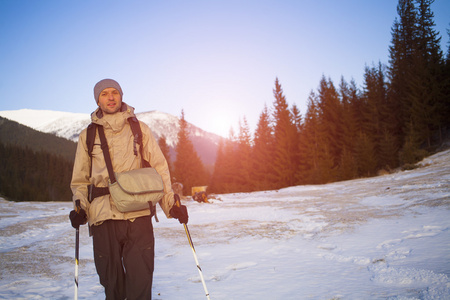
(218, 118)
(223, 123)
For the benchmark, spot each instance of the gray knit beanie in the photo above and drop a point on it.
(106, 83)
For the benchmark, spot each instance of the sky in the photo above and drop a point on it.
(215, 60)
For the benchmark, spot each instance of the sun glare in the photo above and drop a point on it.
(221, 124)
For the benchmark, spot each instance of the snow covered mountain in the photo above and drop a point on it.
(69, 125)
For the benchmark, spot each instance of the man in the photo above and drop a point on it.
(123, 242)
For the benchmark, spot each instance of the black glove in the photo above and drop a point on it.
(78, 217)
(180, 213)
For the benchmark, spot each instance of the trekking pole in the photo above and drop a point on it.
(77, 247)
(177, 202)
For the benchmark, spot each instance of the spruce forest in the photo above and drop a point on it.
(28, 175)
(34, 166)
(400, 115)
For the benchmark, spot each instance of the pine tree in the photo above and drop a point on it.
(188, 168)
(162, 142)
(284, 133)
(349, 96)
(243, 156)
(425, 86)
(232, 164)
(225, 175)
(367, 163)
(444, 104)
(309, 147)
(401, 54)
(348, 168)
(416, 75)
(262, 174)
(217, 179)
(296, 140)
(388, 155)
(379, 117)
(330, 124)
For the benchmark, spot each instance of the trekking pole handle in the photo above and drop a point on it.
(77, 206)
(177, 200)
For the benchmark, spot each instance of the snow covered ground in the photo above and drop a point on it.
(385, 237)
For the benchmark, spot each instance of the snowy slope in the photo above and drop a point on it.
(385, 237)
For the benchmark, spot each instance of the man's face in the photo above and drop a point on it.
(110, 101)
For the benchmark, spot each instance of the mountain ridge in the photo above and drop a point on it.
(69, 125)
(22, 136)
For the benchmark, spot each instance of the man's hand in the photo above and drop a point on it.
(179, 211)
(78, 217)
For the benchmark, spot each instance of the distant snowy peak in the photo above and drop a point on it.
(63, 124)
(161, 124)
(69, 125)
(41, 118)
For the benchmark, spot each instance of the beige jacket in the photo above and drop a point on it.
(120, 142)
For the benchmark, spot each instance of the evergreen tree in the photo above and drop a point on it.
(388, 155)
(218, 177)
(349, 96)
(426, 84)
(162, 142)
(309, 148)
(348, 168)
(224, 178)
(445, 102)
(416, 76)
(284, 132)
(243, 156)
(232, 163)
(327, 168)
(188, 168)
(411, 152)
(330, 125)
(367, 163)
(297, 131)
(401, 60)
(262, 154)
(378, 117)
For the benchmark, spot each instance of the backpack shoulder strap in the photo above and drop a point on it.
(136, 129)
(137, 135)
(90, 137)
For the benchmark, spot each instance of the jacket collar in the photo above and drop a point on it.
(116, 121)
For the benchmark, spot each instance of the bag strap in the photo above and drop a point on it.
(105, 149)
(90, 137)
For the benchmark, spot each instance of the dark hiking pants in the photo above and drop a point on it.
(124, 258)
